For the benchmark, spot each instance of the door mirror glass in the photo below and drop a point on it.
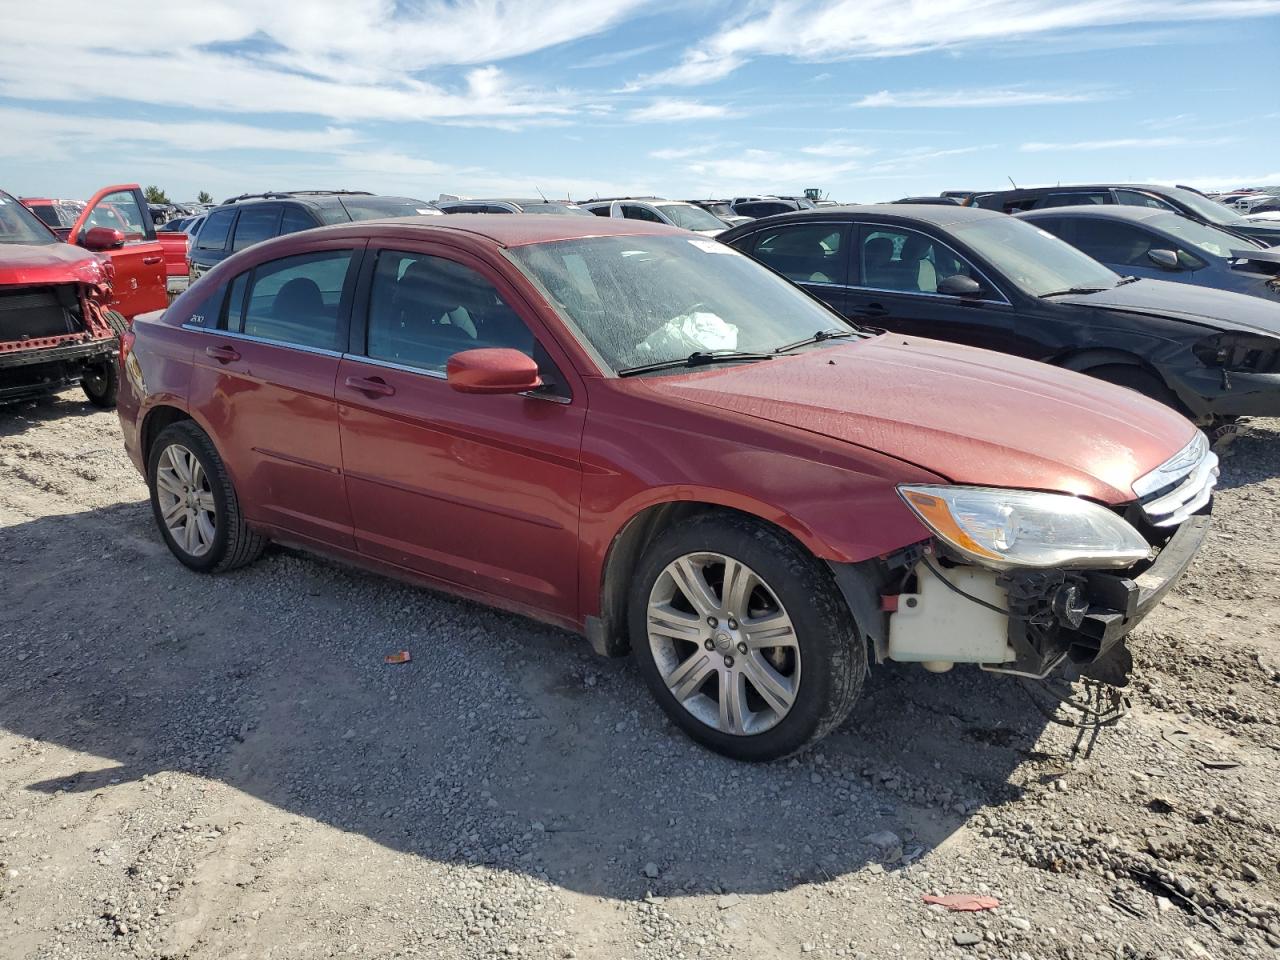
(492, 370)
(958, 285)
(100, 239)
(1164, 259)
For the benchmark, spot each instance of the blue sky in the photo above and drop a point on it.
(865, 99)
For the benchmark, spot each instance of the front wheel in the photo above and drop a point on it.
(195, 504)
(743, 638)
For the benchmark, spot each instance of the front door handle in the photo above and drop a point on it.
(152, 261)
(374, 386)
(872, 310)
(222, 354)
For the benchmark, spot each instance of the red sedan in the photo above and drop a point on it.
(641, 435)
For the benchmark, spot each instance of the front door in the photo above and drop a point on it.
(140, 282)
(814, 256)
(481, 491)
(263, 374)
(896, 272)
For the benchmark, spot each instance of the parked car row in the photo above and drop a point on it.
(757, 458)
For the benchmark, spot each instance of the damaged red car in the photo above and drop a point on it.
(64, 305)
(643, 436)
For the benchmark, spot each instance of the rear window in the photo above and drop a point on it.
(377, 208)
(213, 235)
(20, 225)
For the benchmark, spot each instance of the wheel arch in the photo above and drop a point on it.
(607, 629)
(153, 424)
(1087, 359)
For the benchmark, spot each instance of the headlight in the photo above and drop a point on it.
(1019, 528)
(1239, 352)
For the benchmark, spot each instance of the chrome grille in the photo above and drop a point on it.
(1180, 486)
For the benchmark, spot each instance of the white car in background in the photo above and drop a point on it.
(677, 213)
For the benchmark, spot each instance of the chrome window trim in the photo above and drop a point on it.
(1003, 301)
(249, 338)
(440, 375)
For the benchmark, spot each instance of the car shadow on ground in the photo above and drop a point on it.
(17, 417)
(501, 742)
(1255, 446)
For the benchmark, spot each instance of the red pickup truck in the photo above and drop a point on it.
(63, 305)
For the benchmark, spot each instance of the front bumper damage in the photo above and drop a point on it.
(33, 372)
(1027, 623)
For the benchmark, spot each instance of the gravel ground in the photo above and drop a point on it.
(214, 767)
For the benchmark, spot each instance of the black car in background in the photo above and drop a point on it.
(1183, 200)
(1162, 245)
(509, 205)
(251, 218)
(757, 207)
(988, 280)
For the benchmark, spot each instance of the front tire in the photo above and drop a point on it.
(195, 503)
(743, 638)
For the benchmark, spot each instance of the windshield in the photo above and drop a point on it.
(555, 208)
(1207, 239)
(20, 225)
(376, 208)
(691, 218)
(652, 299)
(1037, 261)
(1210, 210)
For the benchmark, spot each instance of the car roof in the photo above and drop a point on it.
(504, 231)
(1105, 211)
(935, 214)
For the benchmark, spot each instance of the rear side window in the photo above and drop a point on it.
(763, 208)
(213, 235)
(1079, 198)
(632, 211)
(295, 300)
(424, 309)
(256, 223)
(1132, 198)
(807, 253)
(295, 219)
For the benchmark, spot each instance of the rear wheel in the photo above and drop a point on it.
(743, 638)
(195, 504)
(101, 383)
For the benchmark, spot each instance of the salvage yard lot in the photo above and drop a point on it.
(197, 766)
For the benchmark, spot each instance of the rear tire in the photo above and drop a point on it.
(101, 383)
(725, 683)
(195, 503)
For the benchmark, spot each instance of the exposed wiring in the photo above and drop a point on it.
(968, 596)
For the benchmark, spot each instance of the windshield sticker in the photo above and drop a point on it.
(711, 246)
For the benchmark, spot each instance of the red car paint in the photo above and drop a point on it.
(139, 283)
(174, 246)
(517, 500)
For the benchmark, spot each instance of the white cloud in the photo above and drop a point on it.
(989, 97)
(1123, 143)
(684, 153)
(1221, 181)
(837, 148)
(673, 109)
(823, 30)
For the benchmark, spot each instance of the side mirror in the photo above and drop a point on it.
(1164, 259)
(492, 370)
(958, 285)
(100, 239)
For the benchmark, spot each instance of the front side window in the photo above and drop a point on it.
(1111, 242)
(635, 212)
(20, 225)
(120, 211)
(424, 309)
(1132, 198)
(217, 225)
(294, 300)
(1078, 199)
(652, 299)
(895, 258)
(295, 219)
(806, 253)
(257, 223)
(692, 218)
(1035, 260)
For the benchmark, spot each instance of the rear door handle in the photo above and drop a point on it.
(152, 261)
(222, 354)
(374, 386)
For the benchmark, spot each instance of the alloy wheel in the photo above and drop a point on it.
(723, 643)
(186, 500)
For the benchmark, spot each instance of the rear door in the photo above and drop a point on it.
(258, 222)
(814, 256)
(140, 281)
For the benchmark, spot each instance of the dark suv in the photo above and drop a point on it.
(251, 218)
(1183, 200)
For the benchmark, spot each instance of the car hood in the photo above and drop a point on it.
(24, 264)
(1217, 309)
(972, 416)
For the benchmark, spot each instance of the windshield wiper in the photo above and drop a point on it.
(816, 338)
(699, 358)
(1070, 290)
(1124, 280)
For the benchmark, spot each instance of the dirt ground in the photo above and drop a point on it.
(225, 767)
